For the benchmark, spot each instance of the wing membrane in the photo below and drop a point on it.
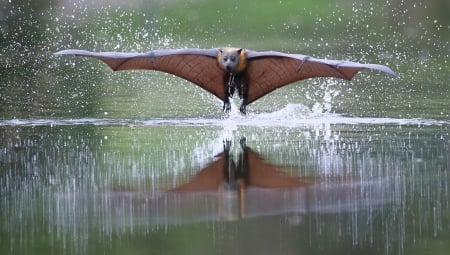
(270, 70)
(198, 66)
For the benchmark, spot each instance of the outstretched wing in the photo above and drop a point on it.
(270, 70)
(195, 65)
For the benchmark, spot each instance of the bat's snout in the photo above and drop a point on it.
(229, 67)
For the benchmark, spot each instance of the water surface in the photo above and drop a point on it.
(88, 185)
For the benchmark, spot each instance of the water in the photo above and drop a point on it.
(91, 184)
(93, 161)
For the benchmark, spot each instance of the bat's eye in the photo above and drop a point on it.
(233, 59)
(225, 58)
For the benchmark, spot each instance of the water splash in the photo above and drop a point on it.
(292, 115)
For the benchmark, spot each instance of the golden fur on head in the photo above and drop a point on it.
(232, 59)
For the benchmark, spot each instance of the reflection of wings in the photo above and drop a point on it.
(198, 66)
(265, 175)
(209, 178)
(270, 70)
(255, 171)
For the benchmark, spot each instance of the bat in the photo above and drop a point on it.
(221, 71)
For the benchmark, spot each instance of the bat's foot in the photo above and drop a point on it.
(243, 142)
(226, 145)
(243, 108)
(226, 106)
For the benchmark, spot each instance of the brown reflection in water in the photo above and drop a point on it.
(250, 170)
(248, 187)
(230, 178)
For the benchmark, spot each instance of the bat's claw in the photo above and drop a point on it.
(226, 145)
(243, 109)
(243, 142)
(226, 106)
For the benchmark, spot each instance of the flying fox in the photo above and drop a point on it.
(222, 71)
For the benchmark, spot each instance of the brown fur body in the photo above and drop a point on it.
(234, 62)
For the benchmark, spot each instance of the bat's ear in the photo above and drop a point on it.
(221, 50)
(239, 51)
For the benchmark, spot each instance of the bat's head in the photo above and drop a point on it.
(232, 59)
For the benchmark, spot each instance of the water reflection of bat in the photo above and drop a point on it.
(250, 186)
(251, 170)
(231, 178)
(221, 71)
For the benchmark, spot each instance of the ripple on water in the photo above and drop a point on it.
(292, 115)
